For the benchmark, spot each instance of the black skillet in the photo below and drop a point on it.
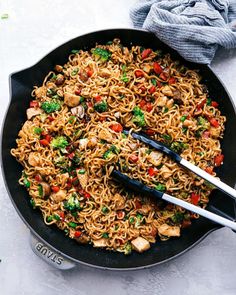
(50, 242)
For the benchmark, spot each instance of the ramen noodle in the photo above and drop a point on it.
(73, 138)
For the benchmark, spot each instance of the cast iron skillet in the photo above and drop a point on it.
(21, 84)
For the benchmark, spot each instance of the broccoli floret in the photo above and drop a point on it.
(107, 154)
(38, 130)
(160, 187)
(72, 204)
(203, 122)
(178, 217)
(101, 54)
(51, 106)
(59, 142)
(138, 117)
(178, 146)
(100, 107)
(112, 150)
(127, 248)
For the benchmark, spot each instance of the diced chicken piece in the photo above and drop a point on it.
(145, 209)
(40, 91)
(169, 231)
(215, 132)
(119, 201)
(71, 100)
(105, 135)
(140, 244)
(169, 103)
(155, 158)
(167, 90)
(165, 171)
(133, 146)
(59, 196)
(45, 188)
(147, 68)
(105, 73)
(161, 101)
(34, 159)
(92, 142)
(100, 243)
(32, 112)
(78, 111)
(83, 179)
(83, 143)
(62, 178)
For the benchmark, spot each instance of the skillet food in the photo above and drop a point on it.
(72, 140)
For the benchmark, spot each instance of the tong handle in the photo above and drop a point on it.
(143, 189)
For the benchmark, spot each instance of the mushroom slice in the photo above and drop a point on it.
(78, 111)
(140, 244)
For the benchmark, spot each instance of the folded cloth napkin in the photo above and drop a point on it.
(195, 28)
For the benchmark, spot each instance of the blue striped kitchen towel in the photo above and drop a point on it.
(195, 28)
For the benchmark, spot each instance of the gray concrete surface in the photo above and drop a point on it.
(32, 30)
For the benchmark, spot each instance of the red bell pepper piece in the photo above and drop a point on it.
(157, 68)
(218, 160)
(172, 80)
(55, 189)
(152, 89)
(97, 98)
(214, 104)
(214, 122)
(146, 53)
(133, 158)
(34, 104)
(152, 171)
(117, 127)
(163, 76)
(44, 142)
(77, 234)
(139, 73)
(195, 198)
(149, 107)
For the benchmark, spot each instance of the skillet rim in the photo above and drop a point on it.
(11, 76)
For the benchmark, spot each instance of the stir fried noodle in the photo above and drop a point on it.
(73, 139)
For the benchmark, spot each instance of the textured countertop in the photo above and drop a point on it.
(32, 30)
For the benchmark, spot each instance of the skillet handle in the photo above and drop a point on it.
(49, 255)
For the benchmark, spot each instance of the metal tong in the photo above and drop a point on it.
(143, 189)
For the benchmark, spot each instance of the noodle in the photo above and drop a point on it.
(73, 139)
